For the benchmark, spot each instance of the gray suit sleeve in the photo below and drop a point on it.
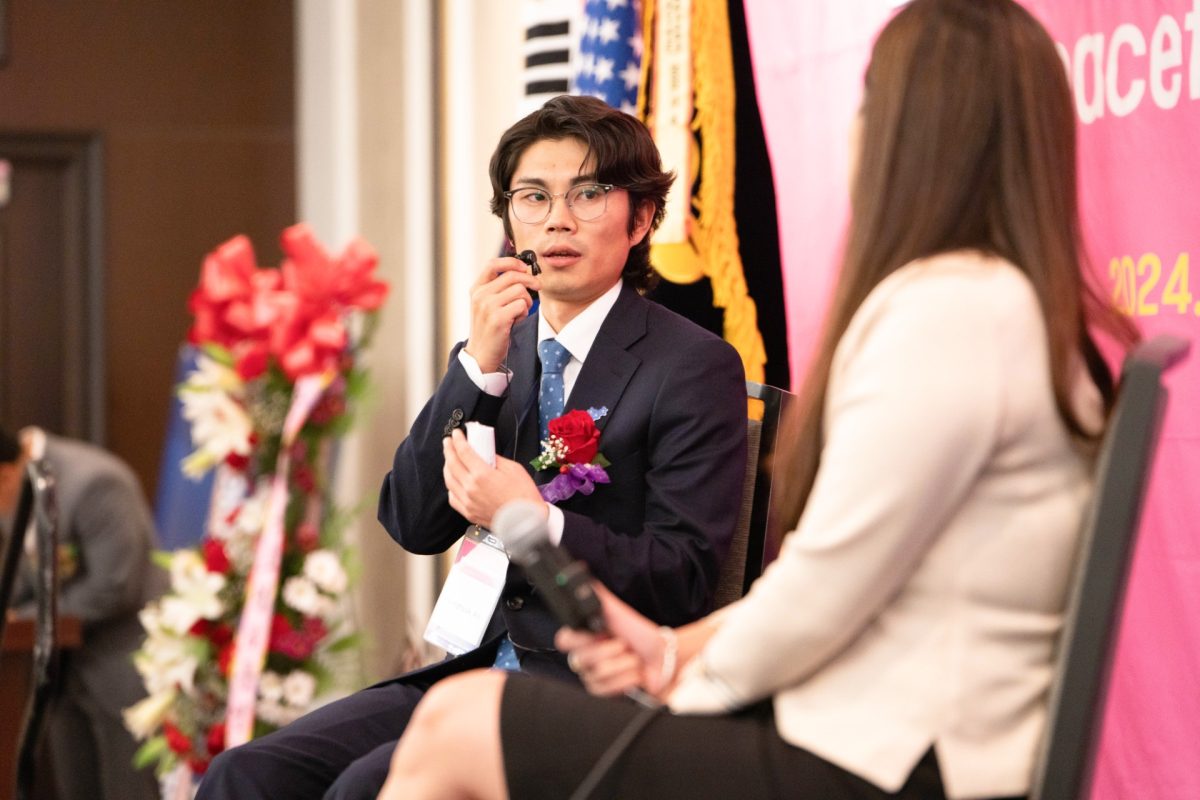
(110, 525)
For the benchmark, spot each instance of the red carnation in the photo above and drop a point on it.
(219, 634)
(331, 406)
(237, 461)
(579, 433)
(215, 557)
(177, 740)
(252, 361)
(199, 766)
(289, 642)
(216, 738)
(225, 659)
(314, 630)
(305, 480)
(308, 538)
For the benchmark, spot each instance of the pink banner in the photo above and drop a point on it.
(1135, 72)
(254, 628)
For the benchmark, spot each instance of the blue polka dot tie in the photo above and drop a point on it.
(552, 396)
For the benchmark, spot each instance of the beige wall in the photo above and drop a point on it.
(399, 107)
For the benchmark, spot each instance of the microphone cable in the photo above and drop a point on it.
(608, 759)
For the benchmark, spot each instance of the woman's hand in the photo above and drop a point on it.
(630, 655)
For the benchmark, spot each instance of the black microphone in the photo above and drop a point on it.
(564, 582)
(530, 259)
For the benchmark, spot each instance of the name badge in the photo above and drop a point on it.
(470, 594)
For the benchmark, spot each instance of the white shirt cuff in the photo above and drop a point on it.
(554, 523)
(493, 383)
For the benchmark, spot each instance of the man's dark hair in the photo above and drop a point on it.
(10, 448)
(620, 151)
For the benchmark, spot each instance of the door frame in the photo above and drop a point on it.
(79, 155)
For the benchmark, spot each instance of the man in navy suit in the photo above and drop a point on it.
(581, 185)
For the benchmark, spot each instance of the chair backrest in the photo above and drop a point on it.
(752, 549)
(1108, 534)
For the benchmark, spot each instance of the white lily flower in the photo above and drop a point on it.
(143, 718)
(166, 663)
(220, 424)
(194, 593)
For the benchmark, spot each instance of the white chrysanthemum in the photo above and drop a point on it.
(167, 662)
(301, 594)
(324, 569)
(143, 718)
(275, 713)
(270, 686)
(298, 688)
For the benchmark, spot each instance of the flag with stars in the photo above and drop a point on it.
(610, 53)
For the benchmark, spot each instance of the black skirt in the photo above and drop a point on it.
(554, 733)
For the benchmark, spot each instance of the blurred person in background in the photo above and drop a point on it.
(105, 539)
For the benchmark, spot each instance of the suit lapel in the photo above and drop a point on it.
(610, 365)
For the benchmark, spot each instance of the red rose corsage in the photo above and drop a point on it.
(573, 449)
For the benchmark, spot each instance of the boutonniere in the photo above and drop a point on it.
(573, 447)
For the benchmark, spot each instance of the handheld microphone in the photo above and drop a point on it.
(530, 258)
(564, 582)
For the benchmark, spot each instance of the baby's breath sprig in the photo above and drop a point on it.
(554, 449)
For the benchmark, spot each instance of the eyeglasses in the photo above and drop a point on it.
(587, 202)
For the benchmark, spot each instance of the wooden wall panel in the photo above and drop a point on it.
(193, 107)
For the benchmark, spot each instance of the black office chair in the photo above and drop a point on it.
(37, 502)
(751, 550)
(1110, 527)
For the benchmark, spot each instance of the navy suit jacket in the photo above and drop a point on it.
(675, 434)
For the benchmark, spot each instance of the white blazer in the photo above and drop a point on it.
(919, 600)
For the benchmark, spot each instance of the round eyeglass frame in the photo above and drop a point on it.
(605, 187)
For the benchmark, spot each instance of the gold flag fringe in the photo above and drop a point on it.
(712, 246)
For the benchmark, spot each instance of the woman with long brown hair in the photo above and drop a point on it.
(902, 643)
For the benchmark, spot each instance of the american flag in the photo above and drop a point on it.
(610, 53)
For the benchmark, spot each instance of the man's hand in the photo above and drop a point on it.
(476, 489)
(499, 298)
